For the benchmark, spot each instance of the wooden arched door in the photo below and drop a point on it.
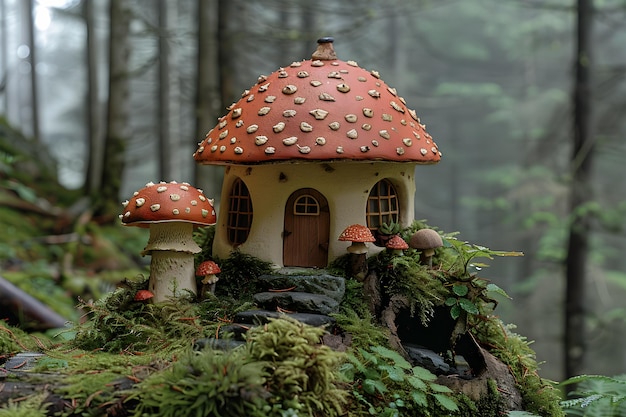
(307, 229)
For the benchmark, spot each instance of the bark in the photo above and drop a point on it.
(36, 314)
(118, 110)
(30, 40)
(577, 252)
(208, 99)
(169, 112)
(93, 175)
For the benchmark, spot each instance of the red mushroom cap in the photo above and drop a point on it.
(207, 268)
(319, 109)
(396, 242)
(357, 233)
(143, 295)
(168, 202)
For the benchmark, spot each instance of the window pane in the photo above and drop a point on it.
(239, 213)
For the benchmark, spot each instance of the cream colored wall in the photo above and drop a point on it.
(346, 186)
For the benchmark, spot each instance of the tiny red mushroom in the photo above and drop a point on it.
(170, 210)
(396, 245)
(426, 240)
(358, 235)
(207, 270)
(143, 295)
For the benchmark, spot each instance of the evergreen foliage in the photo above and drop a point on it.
(596, 395)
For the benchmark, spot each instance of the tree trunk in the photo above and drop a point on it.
(93, 172)
(209, 102)
(4, 57)
(169, 114)
(30, 40)
(117, 134)
(580, 227)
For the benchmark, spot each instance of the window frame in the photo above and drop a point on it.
(240, 219)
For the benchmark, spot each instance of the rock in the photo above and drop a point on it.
(428, 359)
(300, 302)
(325, 284)
(23, 361)
(263, 316)
(478, 387)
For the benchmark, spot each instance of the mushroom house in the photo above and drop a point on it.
(310, 149)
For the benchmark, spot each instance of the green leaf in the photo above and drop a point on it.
(417, 383)
(439, 388)
(455, 312)
(391, 355)
(395, 374)
(497, 290)
(450, 301)
(348, 371)
(446, 402)
(423, 374)
(370, 358)
(468, 306)
(460, 290)
(419, 398)
(371, 386)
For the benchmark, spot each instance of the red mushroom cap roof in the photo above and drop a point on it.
(143, 295)
(396, 242)
(319, 109)
(168, 202)
(207, 268)
(357, 233)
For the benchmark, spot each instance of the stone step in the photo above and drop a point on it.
(296, 301)
(256, 317)
(324, 284)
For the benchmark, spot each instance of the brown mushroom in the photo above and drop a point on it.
(319, 109)
(170, 210)
(207, 270)
(396, 245)
(426, 240)
(358, 235)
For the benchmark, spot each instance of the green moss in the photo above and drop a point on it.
(30, 406)
(282, 370)
(238, 276)
(539, 396)
(14, 340)
(120, 324)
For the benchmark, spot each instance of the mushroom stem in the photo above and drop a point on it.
(426, 257)
(358, 266)
(174, 236)
(171, 274)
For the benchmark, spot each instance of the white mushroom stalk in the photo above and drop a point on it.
(172, 250)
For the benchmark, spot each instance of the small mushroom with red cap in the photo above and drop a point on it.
(207, 271)
(143, 296)
(170, 211)
(426, 240)
(396, 245)
(358, 235)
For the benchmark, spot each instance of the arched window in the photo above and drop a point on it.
(239, 213)
(382, 205)
(306, 205)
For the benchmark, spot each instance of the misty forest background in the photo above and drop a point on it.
(525, 98)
